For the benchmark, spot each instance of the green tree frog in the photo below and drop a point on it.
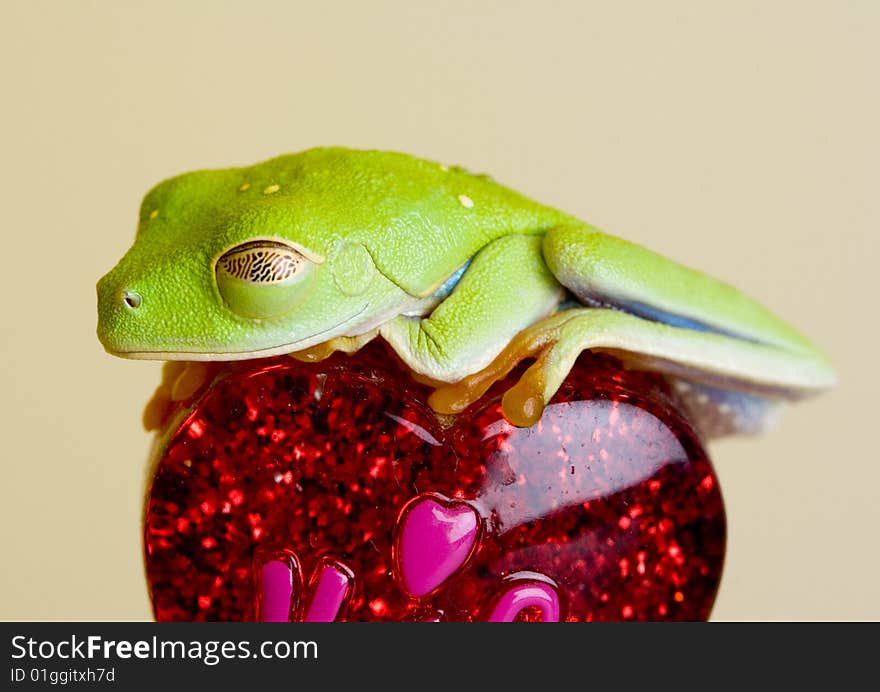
(464, 278)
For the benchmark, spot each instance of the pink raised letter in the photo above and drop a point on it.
(332, 586)
(276, 591)
(525, 595)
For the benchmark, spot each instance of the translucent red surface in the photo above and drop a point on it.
(609, 503)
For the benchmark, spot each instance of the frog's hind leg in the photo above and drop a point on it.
(654, 314)
(703, 357)
(605, 271)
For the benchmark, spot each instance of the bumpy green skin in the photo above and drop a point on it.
(383, 231)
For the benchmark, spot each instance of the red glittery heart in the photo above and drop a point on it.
(607, 509)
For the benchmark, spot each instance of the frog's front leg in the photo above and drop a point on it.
(506, 288)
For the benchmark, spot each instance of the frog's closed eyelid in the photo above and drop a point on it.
(272, 242)
(262, 262)
(262, 279)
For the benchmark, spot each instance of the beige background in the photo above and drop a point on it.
(741, 138)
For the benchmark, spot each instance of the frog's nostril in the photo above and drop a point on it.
(132, 299)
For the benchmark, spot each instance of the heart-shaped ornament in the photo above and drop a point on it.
(373, 508)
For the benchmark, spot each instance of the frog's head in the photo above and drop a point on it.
(238, 263)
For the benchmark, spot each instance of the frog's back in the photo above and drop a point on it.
(419, 219)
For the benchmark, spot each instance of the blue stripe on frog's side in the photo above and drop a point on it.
(654, 314)
(450, 283)
(649, 312)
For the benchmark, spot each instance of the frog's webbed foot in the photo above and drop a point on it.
(346, 344)
(523, 403)
(181, 382)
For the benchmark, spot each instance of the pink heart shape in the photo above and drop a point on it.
(435, 538)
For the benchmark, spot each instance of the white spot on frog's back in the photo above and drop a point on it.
(244, 186)
(466, 201)
(154, 214)
(271, 189)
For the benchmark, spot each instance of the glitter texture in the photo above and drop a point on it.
(607, 509)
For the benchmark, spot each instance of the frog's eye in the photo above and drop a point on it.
(263, 278)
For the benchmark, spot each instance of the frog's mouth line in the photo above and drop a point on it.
(238, 355)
